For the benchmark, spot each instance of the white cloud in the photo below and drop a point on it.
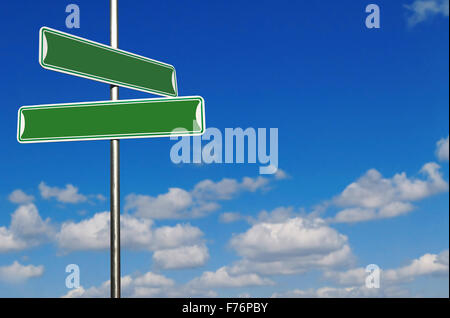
(226, 189)
(342, 292)
(277, 215)
(8, 241)
(167, 237)
(20, 197)
(295, 264)
(442, 258)
(281, 175)
(351, 283)
(443, 149)
(422, 10)
(153, 280)
(17, 273)
(230, 217)
(181, 257)
(203, 199)
(163, 206)
(27, 229)
(351, 277)
(253, 184)
(142, 286)
(290, 246)
(376, 197)
(374, 191)
(221, 190)
(137, 233)
(297, 236)
(353, 215)
(27, 224)
(223, 279)
(391, 279)
(278, 243)
(102, 291)
(77, 293)
(68, 195)
(428, 264)
(89, 234)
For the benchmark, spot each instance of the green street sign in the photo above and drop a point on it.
(139, 118)
(66, 53)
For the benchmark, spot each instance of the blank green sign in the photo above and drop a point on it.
(66, 53)
(112, 120)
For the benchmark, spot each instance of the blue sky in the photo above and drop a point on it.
(362, 117)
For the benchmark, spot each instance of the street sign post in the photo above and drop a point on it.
(115, 119)
(140, 118)
(66, 53)
(114, 181)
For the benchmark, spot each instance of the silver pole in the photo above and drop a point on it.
(115, 177)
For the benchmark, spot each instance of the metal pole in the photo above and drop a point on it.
(115, 177)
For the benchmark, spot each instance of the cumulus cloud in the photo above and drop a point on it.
(18, 273)
(428, 264)
(391, 279)
(137, 233)
(442, 258)
(296, 236)
(153, 280)
(168, 205)
(278, 244)
(202, 199)
(289, 246)
(166, 237)
(142, 286)
(181, 257)
(295, 264)
(20, 197)
(89, 234)
(79, 292)
(277, 215)
(375, 197)
(342, 292)
(423, 10)
(27, 229)
(230, 217)
(222, 190)
(223, 279)
(8, 241)
(443, 149)
(69, 194)
(373, 191)
(351, 283)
